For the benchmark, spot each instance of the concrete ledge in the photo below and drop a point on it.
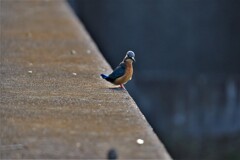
(53, 102)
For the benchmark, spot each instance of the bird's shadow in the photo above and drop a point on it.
(117, 89)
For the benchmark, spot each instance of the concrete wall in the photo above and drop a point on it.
(53, 103)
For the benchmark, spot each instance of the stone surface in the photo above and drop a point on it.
(53, 102)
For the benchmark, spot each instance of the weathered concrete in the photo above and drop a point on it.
(53, 102)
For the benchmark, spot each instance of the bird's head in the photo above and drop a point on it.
(130, 56)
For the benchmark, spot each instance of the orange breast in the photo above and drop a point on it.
(127, 76)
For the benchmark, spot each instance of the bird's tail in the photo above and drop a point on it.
(104, 76)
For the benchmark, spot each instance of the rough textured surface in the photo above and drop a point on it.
(53, 102)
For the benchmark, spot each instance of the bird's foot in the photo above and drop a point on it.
(122, 86)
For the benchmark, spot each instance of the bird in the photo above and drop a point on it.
(123, 72)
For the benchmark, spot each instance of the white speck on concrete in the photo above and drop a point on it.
(74, 74)
(29, 34)
(140, 141)
(78, 145)
(30, 72)
(88, 51)
(73, 52)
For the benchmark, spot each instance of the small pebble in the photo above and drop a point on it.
(73, 52)
(88, 51)
(140, 141)
(30, 72)
(74, 74)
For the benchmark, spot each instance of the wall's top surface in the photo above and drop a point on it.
(53, 103)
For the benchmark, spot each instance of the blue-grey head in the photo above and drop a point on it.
(130, 55)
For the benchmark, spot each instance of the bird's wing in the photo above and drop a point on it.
(118, 71)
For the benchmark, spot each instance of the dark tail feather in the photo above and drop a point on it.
(104, 76)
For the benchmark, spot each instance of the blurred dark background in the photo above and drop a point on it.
(187, 75)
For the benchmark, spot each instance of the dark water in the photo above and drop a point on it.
(187, 75)
(196, 117)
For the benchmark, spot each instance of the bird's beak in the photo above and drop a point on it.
(133, 59)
